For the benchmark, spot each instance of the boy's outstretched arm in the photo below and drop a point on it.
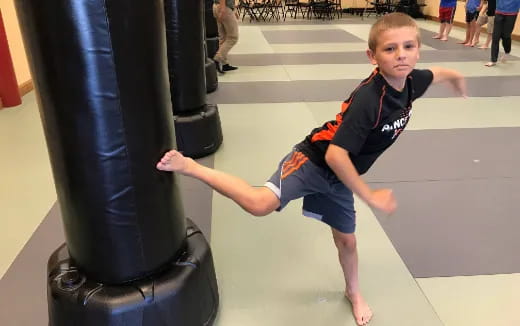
(339, 161)
(455, 79)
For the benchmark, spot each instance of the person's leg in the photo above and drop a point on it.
(490, 25)
(447, 30)
(481, 21)
(509, 24)
(472, 32)
(348, 259)
(497, 32)
(468, 27)
(229, 21)
(258, 201)
(222, 36)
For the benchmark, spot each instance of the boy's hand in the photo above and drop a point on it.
(384, 200)
(459, 86)
(454, 78)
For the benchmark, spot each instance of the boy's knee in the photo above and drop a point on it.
(346, 241)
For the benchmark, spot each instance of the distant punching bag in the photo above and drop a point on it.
(99, 70)
(211, 29)
(197, 124)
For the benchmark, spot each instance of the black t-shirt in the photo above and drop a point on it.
(492, 6)
(370, 120)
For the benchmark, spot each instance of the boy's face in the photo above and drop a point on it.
(396, 53)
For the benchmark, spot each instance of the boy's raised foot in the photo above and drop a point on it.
(360, 309)
(173, 161)
(490, 64)
(504, 58)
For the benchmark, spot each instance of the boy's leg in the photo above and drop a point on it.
(442, 27)
(348, 259)
(497, 33)
(447, 31)
(509, 24)
(258, 201)
(489, 36)
(472, 31)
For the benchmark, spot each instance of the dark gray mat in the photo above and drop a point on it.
(456, 216)
(310, 36)
(338, 90)
(454, 228)
(23, 301)
(24, 286)
(450, 44)
(359, 57)
(450, 154)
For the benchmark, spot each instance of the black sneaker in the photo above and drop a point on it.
(228, 67)
(219, 67)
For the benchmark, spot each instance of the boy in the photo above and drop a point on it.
(446, 15)
(325, 168)
(472, 9)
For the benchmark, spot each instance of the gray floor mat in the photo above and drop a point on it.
(456, 216)
(310, 36)
(357, 57)
(453, 228)
(339, 90)
(451, 44)
(450, 154)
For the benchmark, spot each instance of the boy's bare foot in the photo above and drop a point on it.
(174, 161)
(483, 47)
(463, 42)
(444, 38)
(474, 44)
(490, 64)
(360, 309)
(468, 44)
(437, 36)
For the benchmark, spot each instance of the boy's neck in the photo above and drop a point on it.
(396, 83)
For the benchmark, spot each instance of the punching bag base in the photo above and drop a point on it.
(200, 133)
(185, 293)
(211, 76)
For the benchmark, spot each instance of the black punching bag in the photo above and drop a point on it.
(98, 68)
(211, 29)
(197, 124)
(100, 73)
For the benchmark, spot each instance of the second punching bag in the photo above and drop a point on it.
(197, 125)
(186, 56)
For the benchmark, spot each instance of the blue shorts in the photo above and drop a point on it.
(325, 198)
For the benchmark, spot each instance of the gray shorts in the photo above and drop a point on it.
(485, 19)
(325, 198)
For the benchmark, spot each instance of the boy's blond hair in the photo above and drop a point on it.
(390, 21)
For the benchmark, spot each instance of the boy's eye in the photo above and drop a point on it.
(389, 49)
(409, 46)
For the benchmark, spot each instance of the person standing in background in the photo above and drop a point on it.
(472, 9)
(227, 32)
(505, 19)
(446, 14)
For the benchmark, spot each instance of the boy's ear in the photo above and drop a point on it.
(371, 57)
